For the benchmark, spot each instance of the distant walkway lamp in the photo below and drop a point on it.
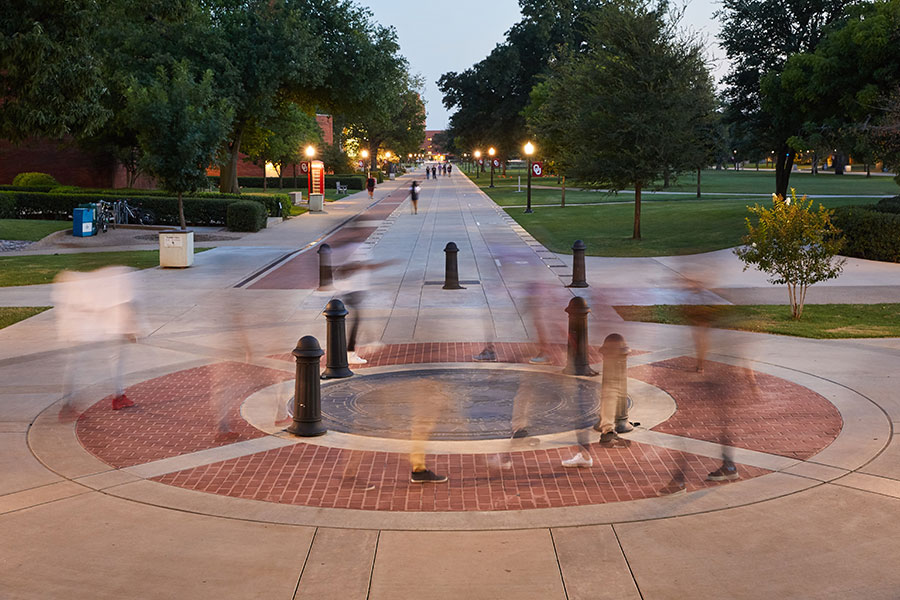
(529, 151)
(310, 152)
(492, 152)
(477, 159)
(365, 157)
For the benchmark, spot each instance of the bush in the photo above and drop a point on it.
(869, 234)
(888, 205)
(245, 215)
(7, 207)
(197, 210)
(353, 181)
(26, 188)
(34, 179)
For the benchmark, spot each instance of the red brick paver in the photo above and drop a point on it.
(175, 414)
(310, 475)
(756, 411)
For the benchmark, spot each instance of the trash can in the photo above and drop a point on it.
(176, 248)
(83, 222)
(316, 202)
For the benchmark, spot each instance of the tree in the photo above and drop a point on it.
(180, 123)
(282, 138)
(50, 79)
(758, 37)
(491, 95)
(622, 111)
(794, 244)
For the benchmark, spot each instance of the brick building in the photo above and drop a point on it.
(72, 165)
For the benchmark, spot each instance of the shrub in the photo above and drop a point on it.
(868, 233)
(888, 205)
(34, 179)
(246, 215)
(353, 181)
(7, 207)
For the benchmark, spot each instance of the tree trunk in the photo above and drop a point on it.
(281, 177)
(228, 180)
(815, 163)
(181, 212)
(504, 167)
(636, 235)
(868, 171)
(666, 177)
(563, 201)
(698, 180)
(265, 179)
(839, 163)
(783, 165)
(295, 176)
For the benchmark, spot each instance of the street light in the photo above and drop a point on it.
(529, 150)
(477, 158)
(365, 156)
(491, 151)
(310, 152)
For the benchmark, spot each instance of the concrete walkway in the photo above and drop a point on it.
(84, 518)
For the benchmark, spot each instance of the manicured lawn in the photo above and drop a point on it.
(668, 228)
(730, 182)
(30, 230)
(36, 269)
(820, 321)
(14, 314)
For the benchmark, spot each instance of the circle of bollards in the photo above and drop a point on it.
(451, 270)
(579, 279)
(326, 277)
(577, 361)
(336, 364)
(615, 378)
(307, 390)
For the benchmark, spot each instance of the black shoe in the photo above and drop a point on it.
(487, 355)
(520, 433)
(727, 472)
(611, 439)
(426, 476)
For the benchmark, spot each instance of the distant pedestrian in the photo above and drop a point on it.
(370, 186)
(414, 196)
(433, 171)
(449, 170)
(427, 173)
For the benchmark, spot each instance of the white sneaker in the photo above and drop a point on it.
(578, 461)
(355, 359)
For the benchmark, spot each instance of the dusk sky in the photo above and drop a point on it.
(437, 37)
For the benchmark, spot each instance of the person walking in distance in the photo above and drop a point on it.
(370, 186)
(427, 173)
(414, 197)
(449, 169)
(433, 172)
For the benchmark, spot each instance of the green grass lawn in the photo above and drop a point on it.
(668, 228)
(731, 182)
(42, 268)
(14, 314)
(820, 321)
(30, 230)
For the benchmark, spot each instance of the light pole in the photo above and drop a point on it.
(477, 158)
(529, 150)
(492, 152)
(365, 156)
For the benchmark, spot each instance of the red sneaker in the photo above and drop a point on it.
(121, 402)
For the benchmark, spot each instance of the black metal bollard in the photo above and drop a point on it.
(579, 280)
(326, 278)
(451, 270)
(577, 361)
(307, 391)
(615, 378)
(336, 365)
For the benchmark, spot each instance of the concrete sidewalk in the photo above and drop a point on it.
(75, 524)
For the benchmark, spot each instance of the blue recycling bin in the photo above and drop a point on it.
(83, 222)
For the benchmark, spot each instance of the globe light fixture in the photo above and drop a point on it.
(310, 151)
(492, 152)
(529, 151)
(477, 166)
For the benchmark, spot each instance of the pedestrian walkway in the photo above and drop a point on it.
(160, 501)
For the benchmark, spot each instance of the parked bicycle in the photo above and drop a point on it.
(126, 213)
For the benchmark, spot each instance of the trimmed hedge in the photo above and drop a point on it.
(352, 181)
(26, 188)
(869, 233)
(245, 215)
(888, 205)
(197, 210)
(7, 207)
(34, 179)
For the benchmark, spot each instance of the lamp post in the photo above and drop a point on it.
(492, 152)
(365, 156)
(310, 152)
(529, 151)
(477, 158)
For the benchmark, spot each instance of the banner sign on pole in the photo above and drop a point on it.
(537, 169)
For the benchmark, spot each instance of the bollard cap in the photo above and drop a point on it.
(308, 347)
(324, 249)
(335, 308)
(578, 306)
(578, 245)
(613, 345)
(451, 247)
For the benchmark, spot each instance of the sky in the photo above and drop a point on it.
(437, 37)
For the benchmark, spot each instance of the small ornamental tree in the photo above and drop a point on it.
(180, 123)
(794, 244)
